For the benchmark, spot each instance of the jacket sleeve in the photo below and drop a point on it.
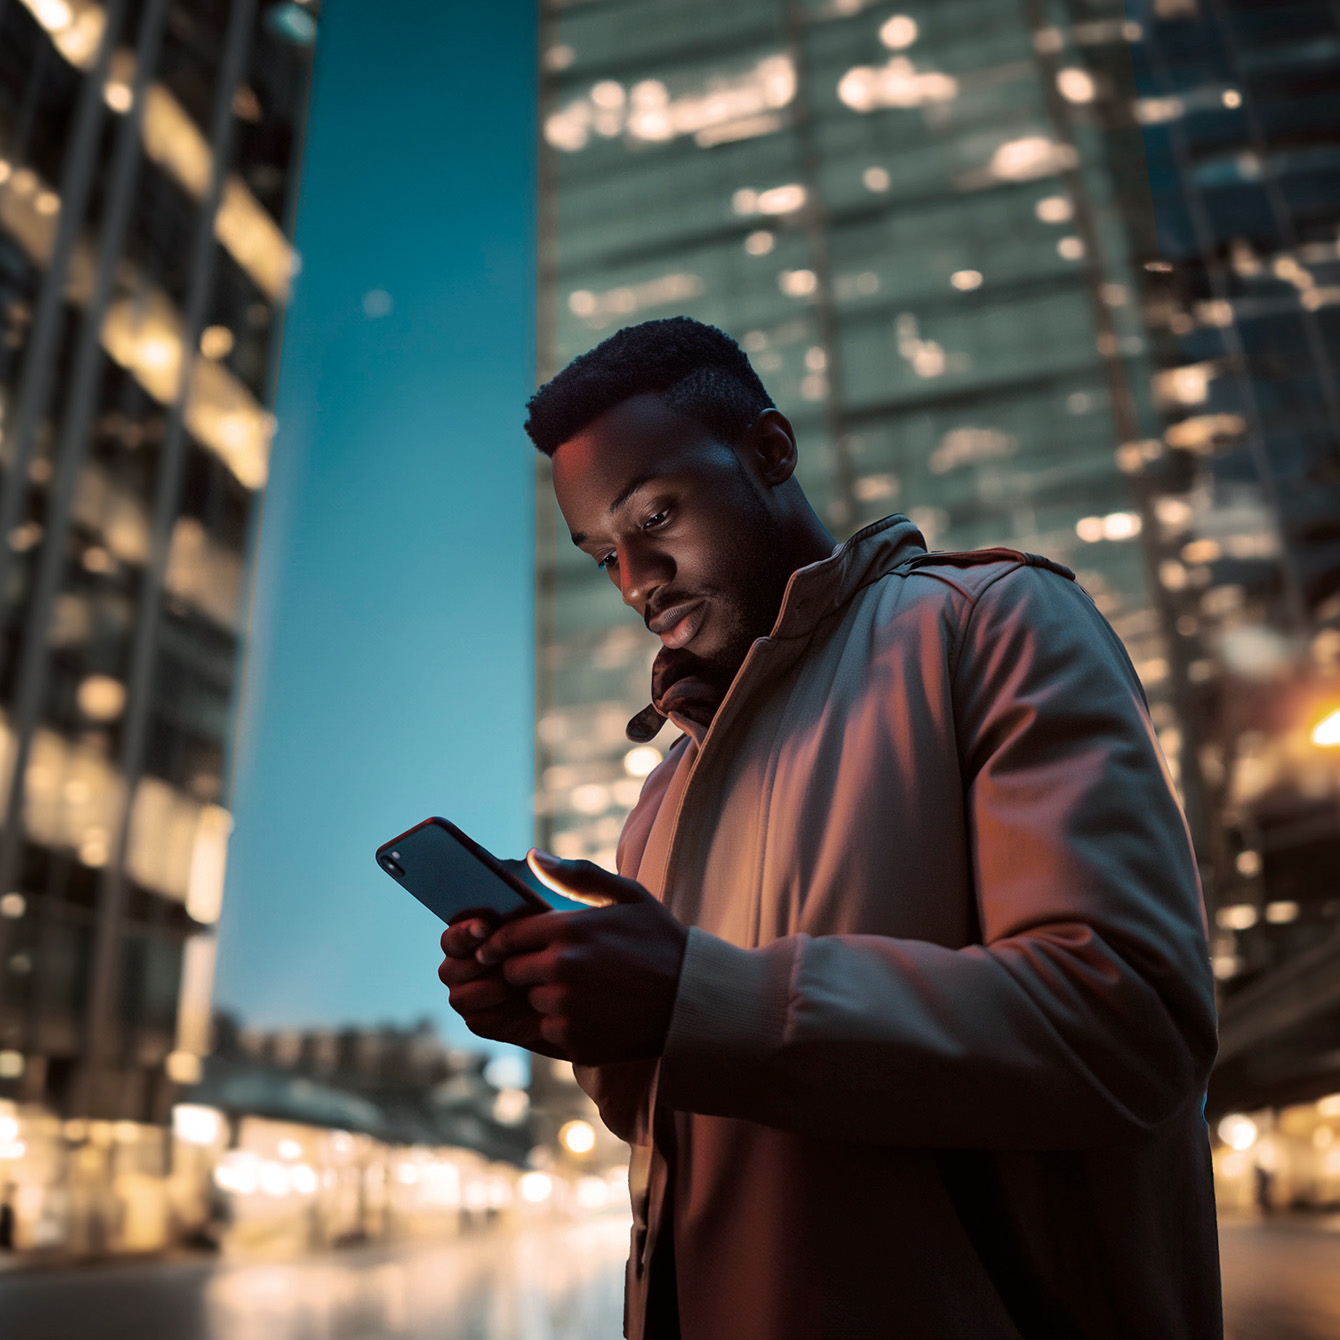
(1086, 1014)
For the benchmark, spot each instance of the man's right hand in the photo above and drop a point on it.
(481, 995)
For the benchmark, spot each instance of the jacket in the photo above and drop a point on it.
(937, 1061)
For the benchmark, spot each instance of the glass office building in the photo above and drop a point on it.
(927, 233)
(1240, 105)
(1056, 274)
(146, 150)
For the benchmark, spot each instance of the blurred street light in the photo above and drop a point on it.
(1327, 732)
(578, 1137)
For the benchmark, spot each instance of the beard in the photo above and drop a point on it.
(691, 684)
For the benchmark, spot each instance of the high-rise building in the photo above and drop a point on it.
(147, 156)
(915, 221)
(1056, 274)
(1240, 104)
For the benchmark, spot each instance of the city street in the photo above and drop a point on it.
(550, 1282)
(1281, 1278)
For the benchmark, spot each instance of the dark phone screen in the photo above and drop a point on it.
(446, 877)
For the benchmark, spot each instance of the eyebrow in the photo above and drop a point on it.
(641, 481)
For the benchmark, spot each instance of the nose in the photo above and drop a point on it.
(642, 571)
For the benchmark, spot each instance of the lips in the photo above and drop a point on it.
(677, 626)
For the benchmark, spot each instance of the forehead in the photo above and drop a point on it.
(639, 437)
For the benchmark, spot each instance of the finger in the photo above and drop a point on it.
(547, 1000)
(487, 994)
(524, 970)
(584, 881)
(525, 935)
(452, 971)
(554, 1029)
(462, 938)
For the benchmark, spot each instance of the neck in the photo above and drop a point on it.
(804, 538)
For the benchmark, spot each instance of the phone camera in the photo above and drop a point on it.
(392, 866)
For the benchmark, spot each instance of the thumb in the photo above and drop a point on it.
(584, 881)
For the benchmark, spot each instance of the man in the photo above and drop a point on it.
(903, 997)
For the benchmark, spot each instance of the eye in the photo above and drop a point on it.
(609, 561)
(653, 522)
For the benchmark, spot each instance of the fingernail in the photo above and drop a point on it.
(485, 957)
(545, 859)
(476, 930)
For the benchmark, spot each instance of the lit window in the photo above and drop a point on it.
(1076, 85)
(1054, 209)
(639, 762)
(1029, 157)
(898, 32)
(592, 798)
(624, 301)
(101, 698)
(797, 283)
(776, 200)
(866, 88)
(216, 341)
(1238, 917)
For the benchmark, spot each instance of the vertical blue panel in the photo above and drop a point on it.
(389, 671)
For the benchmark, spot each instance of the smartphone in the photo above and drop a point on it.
(453, 876)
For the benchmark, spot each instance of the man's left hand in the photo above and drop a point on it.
(603, 981)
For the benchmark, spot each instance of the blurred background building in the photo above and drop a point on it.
(1055, 274)
(146, 171)
(932, 227)
(1240, 106)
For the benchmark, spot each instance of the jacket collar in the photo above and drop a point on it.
(818, 589)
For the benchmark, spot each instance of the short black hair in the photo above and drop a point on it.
(698, 370)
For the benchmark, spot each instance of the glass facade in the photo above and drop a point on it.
(1056, 274)
(145, 172)
(1240, 106)
(918, 223)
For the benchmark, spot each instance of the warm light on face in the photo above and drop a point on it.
(1327, 731)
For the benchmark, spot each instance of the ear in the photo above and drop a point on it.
(769, 445)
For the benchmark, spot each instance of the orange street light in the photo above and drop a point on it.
(1327, 731)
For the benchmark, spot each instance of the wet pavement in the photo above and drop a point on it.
(561, 1281)
(1281, 1278)
(553, 1281)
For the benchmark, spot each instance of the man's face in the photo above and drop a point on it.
(686, 532)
